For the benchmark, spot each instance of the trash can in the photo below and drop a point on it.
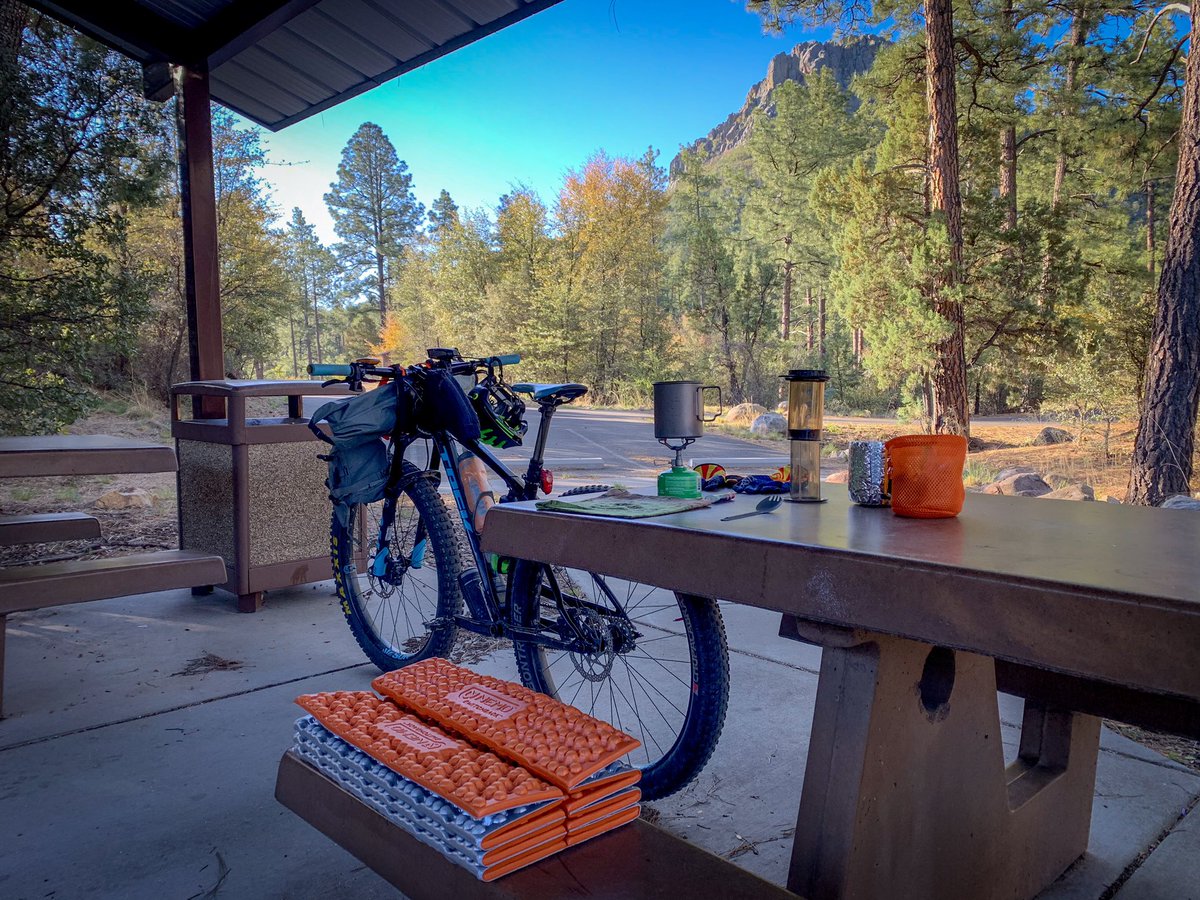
(251, 488)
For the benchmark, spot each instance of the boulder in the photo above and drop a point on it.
(1071, 492)
(134, 499)
(1180, 501)
(743, 414)
(842, 477)
(1005, 474)
(1022, 484)
(1051, 435)
(769, 425)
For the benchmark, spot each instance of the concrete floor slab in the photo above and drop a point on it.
(121, 778)
(1172, 871)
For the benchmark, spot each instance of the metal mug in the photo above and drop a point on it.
(679, 409)
(868, 473)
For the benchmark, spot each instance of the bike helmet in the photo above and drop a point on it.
(501, 413)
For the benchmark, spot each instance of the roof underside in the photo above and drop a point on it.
(279, 61)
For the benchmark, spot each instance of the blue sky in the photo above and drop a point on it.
(529, 103)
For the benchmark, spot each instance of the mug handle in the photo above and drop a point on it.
(720, 405)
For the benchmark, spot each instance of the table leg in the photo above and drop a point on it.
(906, 793)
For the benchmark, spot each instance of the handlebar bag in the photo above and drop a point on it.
(445, 407)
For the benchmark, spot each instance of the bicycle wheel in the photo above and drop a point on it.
(658, 667)
(414, 582)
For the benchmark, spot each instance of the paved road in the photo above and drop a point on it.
(602, 445)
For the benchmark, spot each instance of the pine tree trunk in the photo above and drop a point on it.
(382, 291)
(808, 328)
(1162, 453)
(821, 325)
(1008, 175)
(950, 370)
(785, 318)
(295, 355)
(1008, 145)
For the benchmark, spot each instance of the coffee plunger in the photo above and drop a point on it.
(806, 409)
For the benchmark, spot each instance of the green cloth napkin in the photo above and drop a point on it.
(624, 505)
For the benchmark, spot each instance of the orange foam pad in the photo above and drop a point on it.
(519, 862)
(524, 826)
(474, 780)
(593, 814)
(518, 848)
(598, 828)
(598, 790)
(549, 738)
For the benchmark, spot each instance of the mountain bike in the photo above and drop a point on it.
(652, 662)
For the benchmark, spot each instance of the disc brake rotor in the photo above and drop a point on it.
(611, 636)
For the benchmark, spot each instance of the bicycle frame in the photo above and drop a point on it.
(489, 613)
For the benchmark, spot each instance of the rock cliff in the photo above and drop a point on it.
(844, 60)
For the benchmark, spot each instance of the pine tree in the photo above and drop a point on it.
(443, 213)
(1162, 455)
(948, 374)
(374, 210)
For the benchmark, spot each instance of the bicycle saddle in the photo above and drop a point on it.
(562, 393)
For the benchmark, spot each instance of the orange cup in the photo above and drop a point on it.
(926, 475)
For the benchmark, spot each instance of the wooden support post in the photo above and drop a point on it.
(197, 191)
(906, 794)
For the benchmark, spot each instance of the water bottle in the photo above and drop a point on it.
(479, 494)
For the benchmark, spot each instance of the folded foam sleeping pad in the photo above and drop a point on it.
(482, 810)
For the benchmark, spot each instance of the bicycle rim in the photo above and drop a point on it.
(662, 676)
(391, 600)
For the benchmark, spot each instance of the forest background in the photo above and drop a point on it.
(808, 246)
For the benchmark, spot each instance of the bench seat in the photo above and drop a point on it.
(637, 860)
(44, 528)
(56, 584)
(24, 588)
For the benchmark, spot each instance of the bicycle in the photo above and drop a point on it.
(651, 662)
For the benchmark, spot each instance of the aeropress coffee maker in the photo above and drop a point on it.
(806, 409)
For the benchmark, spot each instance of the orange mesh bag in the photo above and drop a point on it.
(926, 475)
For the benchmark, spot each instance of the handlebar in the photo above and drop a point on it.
(328, 370)
(356, 371)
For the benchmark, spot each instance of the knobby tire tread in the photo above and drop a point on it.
(447, 548)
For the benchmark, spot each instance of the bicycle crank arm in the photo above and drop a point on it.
(480, 626)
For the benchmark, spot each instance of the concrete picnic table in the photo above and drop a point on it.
(1083, 609)
(81, 454)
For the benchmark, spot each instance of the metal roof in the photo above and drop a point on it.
(279, 61)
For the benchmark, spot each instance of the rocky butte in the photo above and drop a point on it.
(844, 60)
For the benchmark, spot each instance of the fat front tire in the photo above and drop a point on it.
(400, 606)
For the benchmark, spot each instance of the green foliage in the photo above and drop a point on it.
(73, 162)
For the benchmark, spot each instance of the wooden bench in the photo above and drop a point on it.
(45, 528)
(637, 860)
(24, 588)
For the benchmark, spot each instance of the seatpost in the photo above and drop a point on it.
(533, 477)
